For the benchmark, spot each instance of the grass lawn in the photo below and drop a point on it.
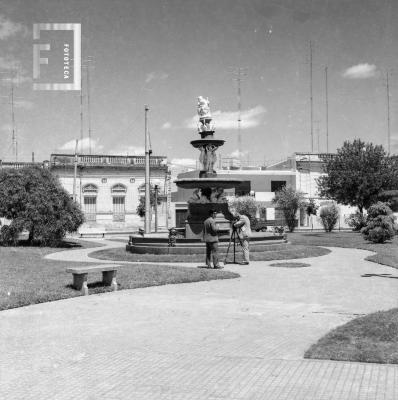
(386, 253)
(372, 338)
(27, 278)
(284, 252)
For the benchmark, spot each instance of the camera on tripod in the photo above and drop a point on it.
(234, 238)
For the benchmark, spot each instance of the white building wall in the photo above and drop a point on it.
(132, 180)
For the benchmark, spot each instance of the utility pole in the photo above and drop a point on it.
(81, 116)
(147, 177)
(311, 102)
(14, 137)
(327, 109)
(239, 74)
(388, 114)
(88, 110)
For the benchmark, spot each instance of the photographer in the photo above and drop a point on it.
(210, 236)
(242, 225)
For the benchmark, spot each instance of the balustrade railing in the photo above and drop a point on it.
(95, 160)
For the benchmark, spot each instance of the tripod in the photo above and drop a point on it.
(233, 237)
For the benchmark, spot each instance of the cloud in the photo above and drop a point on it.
(9, 28)
(236, 153)
(166, 125)
(360, 71)
(228, 119)
(184, 162)
(128, 151)
(83, 145)
(155, 76)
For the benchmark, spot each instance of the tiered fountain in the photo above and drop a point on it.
(209, 190)
(208, 194)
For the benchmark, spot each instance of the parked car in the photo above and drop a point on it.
(260, 225)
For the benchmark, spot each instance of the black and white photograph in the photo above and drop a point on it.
(199, 199)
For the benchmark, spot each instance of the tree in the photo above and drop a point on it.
(311, 208)
(34, 200)
(141, 203)
(289, 200)
(329, 216)
(358, 174)
(380, 223)
(245, 205)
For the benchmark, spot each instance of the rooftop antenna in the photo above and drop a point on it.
(87, 66)
(81, 113)
(239, 75)
(388, 113)
(311, 102)
(14, 141)
(327, 109)
(14, 136)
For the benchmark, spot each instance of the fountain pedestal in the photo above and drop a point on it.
(198, 213)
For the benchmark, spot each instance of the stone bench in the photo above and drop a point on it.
(80, 276)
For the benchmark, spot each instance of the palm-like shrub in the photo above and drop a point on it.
(289, 200)
(380, 223)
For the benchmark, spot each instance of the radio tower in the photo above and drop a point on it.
(239, 75)
(14, 74)
(87, 66)
(327, 109)
(14, 135)
(388, 113)
(311, 102)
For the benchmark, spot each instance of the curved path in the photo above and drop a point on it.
(231, 339)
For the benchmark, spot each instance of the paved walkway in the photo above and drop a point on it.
(232, 339)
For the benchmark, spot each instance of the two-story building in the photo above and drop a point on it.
(109, 187)
(300, 171)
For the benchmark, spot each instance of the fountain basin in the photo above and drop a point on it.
(204, 142)
(159, 244)
(201, 183)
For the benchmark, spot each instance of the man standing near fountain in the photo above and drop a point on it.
(210, 236)
(244, 231)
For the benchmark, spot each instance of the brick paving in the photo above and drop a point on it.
(233, 339)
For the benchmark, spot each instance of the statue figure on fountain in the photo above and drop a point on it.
(204, 108)
(208, 195)
(208, 157)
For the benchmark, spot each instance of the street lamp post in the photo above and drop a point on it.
(75, 173)
(156, 207)
(147, 178)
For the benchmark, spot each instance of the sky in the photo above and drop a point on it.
(166, 53)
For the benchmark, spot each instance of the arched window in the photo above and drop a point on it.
(90, 188)
(90, 201)
(119, 189)
(118, 199)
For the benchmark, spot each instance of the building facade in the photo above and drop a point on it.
(108, 187)
(300, 171)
